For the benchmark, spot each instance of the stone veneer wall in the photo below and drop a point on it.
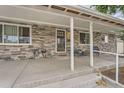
(44, 37)
(107, 47)
(98, 41)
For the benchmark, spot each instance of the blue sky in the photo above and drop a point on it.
(119, 15)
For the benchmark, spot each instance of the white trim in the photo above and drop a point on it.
(2, 33)
(18, 34)
(111, 80)
(111, 53)
(30, 35)
(121, 54)
(106, 38)
(56, 41)
(15, 44)
(14, 24)
(91, 44)
(72, 42)
(17, 25)
(117, 63)
(117, 68)
(79, 37)
(84, 44)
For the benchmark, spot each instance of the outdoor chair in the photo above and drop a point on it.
(38, 51)
(43, 51)
(95, 49)
(35, 52)
(77, 52)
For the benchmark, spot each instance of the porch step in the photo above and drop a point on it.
(86, 81)
(55, 78)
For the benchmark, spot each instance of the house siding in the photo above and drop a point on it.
(44, 36)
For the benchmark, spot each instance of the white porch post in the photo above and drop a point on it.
(72, 42)
(91, 44)
(117, 63)
(117, 68)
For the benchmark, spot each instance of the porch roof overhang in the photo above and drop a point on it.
(50, 15)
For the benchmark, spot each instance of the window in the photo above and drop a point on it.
(60, 41)
(0, 33)
(10, 34)
(105, 39)
(14, 34)
(84, 38)
(24, 35)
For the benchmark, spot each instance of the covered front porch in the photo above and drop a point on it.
(83, 21)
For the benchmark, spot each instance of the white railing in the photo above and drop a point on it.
(117, 62)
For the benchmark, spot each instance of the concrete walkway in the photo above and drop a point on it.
(17, 73)
(9, 72)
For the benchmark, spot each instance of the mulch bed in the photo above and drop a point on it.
(111, 73)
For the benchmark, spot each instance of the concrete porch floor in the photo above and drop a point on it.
(19, 72)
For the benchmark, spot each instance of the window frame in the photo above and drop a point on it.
(17, 25)
(2, 33)
(84, 33)
(106, 38)
(56, 41)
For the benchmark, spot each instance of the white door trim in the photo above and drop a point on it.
(56, 41)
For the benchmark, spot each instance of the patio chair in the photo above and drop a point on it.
(35, 52)
(97, 49)
(43, 51)
(38, 51)
(77, 52)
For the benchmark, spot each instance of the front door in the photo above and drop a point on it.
(61, 41)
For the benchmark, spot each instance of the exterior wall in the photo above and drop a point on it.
(98, 41)
(106, 47)
(44, 37)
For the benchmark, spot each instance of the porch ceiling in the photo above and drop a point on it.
(105, 28)
(33, 16)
